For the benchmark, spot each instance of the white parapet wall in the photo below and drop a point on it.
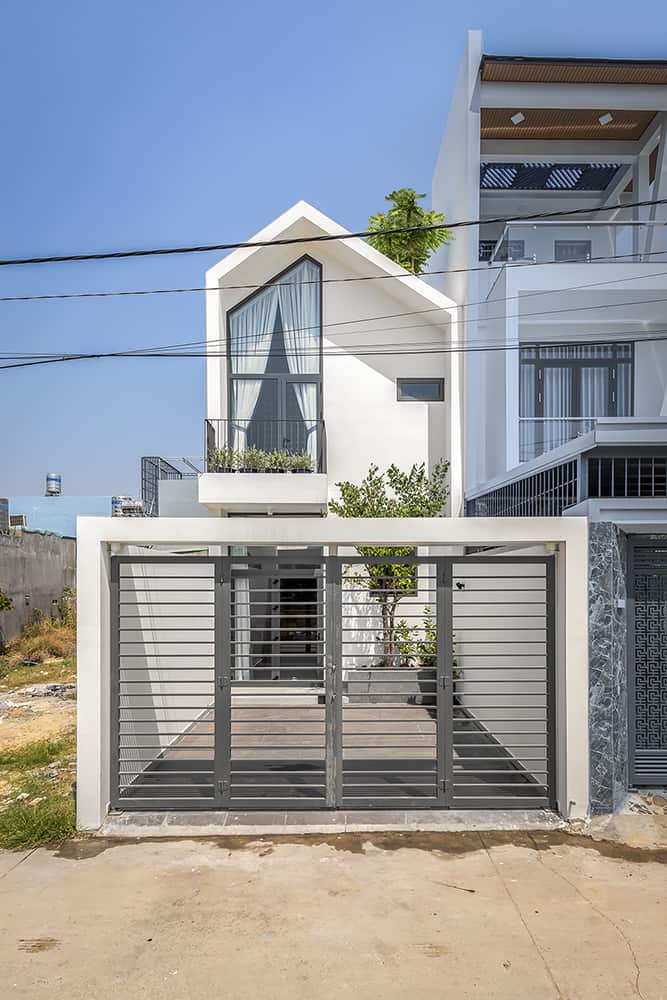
(99, 538)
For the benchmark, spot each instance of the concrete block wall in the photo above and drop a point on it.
(35, 568)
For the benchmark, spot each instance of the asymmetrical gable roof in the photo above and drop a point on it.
(303, 220)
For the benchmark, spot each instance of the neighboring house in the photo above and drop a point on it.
(246, 650)
(566, 362)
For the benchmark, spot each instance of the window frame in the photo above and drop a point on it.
(281, 377)
(610, 363)
(400, 382)
(573, 260)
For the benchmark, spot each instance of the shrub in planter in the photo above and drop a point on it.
(223, 460)
(301, 462)
(278, 461)
(253, 460)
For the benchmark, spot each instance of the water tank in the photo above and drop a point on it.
(126, 507)
(54, 484)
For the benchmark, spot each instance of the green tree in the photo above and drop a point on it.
(5, 602)
(410, 250)
(392, 494)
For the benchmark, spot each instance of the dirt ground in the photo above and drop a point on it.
(413, 915)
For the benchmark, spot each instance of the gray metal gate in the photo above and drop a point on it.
(647, 680)
(299, 681)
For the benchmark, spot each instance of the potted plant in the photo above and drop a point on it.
(253, 460)
(301, 462)
(278, 461)
(223, 460)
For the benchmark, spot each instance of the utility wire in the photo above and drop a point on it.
(486, 268)
(394, 347)
(451, 349)
(397, 347)
(324, 238)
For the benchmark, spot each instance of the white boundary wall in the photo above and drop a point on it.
(98, 537)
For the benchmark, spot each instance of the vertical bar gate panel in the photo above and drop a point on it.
(502, 695)
(390, 683)
(277, 736)
(648, 664)
(163, 690)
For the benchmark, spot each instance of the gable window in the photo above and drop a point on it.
(275, 364)
(420, 390)
(563, 389)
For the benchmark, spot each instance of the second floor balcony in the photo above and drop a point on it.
(265, 466)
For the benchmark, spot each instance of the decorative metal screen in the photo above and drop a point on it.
(649, 680)
(298, 681)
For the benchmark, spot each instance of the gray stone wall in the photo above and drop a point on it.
(35, 568)
(608, 721)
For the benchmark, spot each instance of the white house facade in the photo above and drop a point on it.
(247, 650)
(562, 319)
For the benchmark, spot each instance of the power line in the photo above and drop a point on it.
(302, 240)
(486, 268)
(452, 349)
(396, 347)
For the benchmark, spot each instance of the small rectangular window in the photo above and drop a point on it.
(576, 250)
(420, 390)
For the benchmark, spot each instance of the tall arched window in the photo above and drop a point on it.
(275, 363)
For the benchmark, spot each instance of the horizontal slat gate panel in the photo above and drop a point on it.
(501, 689)
(389, 731)
(277, 738)
(164, 683)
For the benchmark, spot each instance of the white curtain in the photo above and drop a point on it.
(251, 330)
(306, 397)
(300, 312)
(245, 393)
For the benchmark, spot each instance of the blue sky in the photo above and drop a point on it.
(144, 123)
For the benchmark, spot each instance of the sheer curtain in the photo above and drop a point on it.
(557, 395)
(300, 313)
(251, 330)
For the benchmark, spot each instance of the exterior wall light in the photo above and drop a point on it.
(518, 118)
(606, 118)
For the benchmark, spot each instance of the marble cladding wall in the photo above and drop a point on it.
(608, 722)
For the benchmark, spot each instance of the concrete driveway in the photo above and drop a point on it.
(402, 915)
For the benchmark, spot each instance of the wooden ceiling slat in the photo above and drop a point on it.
(519, 70)
(564, 123)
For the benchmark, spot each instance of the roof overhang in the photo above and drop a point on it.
(303, 221)
(529, 69)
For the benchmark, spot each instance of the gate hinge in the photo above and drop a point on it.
(443, 681)
(443, 784)
(223, 786)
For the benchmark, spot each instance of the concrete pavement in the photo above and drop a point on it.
(532, 914)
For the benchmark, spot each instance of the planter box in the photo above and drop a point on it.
(372, 686)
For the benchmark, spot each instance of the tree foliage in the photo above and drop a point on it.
(410, 250)
(393, 493)
(5, 602)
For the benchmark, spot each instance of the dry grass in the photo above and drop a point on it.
(42, 640)
(17, 676)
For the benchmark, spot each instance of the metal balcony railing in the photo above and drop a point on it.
(265, 445)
